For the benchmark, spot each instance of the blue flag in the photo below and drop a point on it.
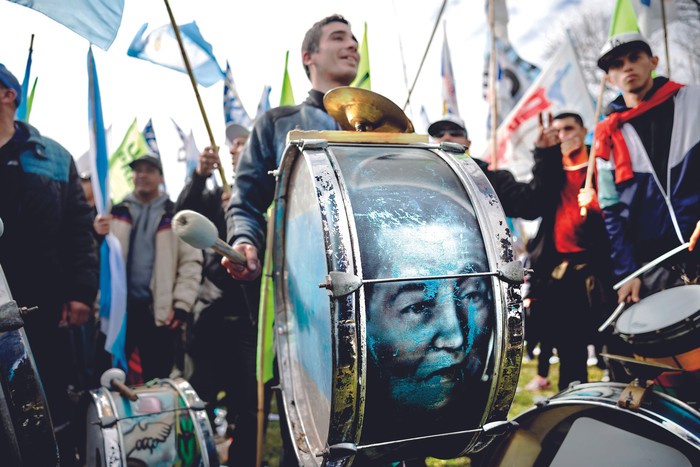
(264, 104)
(23, 109)
(233, 107)
(96, 20)
(149, 135)
(160, 47)
(189, 154)
(112, 269)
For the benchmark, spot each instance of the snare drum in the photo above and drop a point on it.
(167, 425)
(584, 426)
(394, 337)
(665, 327)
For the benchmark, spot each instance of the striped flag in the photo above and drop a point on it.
(234, 112)
(25, 105)
(96, 20)
(287, 94)
(188, 151)
(160, 46)
(449, 93)
(149, 135)
(264, 104)
(363, 79)
(112, 269)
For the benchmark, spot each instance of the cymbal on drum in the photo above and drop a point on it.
(357, 109)
(640, 368)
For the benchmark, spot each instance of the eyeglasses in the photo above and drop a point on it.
(453, 133)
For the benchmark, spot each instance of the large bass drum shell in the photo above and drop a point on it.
(342, 386)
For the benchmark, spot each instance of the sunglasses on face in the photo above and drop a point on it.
(453, 133)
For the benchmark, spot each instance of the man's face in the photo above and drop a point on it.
(430, 338)
(337, 57)
(452, 135)
(236, 149)
(631, 72)
(571, 134)
(147, 180)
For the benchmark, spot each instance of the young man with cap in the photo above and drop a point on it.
(648, 167)
(47, 251)
(163, 272)
(519, 199)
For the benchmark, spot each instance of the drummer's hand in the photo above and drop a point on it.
(246, 273)
(75, 314)
(630, 291)
(695, 237)
(208, 161)
(546, 136)
(586, 197)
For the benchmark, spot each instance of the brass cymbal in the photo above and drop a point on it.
(357, 109)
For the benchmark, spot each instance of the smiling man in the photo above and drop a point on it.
(648, 167)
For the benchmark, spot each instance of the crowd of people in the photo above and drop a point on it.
(643, 203)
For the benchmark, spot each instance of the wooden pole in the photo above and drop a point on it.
(492, 86)
(190, 73)
(592, 155)
(663, 21)
(420, 67)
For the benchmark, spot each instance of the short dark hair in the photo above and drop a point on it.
(312, 38)
(573, 115)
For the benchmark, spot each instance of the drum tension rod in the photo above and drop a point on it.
(342, 450)
(11, 316)
(340, 284)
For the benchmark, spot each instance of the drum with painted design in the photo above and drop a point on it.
(584, 426)
(397, 334)
(167, 425)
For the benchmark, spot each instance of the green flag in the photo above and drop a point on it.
(30, 99)
(133, 146)
(623, 19)
(362, 80)
(266, 312)
(287, 95)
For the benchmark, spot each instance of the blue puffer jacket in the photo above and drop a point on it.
(254, 187)
(658, 208)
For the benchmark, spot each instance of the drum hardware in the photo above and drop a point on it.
(357, 109)
(340, 284)
(114, 378)
(11, 315)
(651, 264)
(634, 394)
(341, 450)
(453, 147)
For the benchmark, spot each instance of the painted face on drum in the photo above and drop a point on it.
(429, 339)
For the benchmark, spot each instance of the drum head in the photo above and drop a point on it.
(660, 310)
(419, 348)
(583, 426)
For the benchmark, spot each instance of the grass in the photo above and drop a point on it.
(523, 401)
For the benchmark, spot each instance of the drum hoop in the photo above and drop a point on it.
(343, 428)
(671, 330)
(184, 389)
(676, 330)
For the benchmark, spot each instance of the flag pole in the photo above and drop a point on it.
(663, 21)
(492, 86)
(425, 54)
(190, 73)
(592, 155)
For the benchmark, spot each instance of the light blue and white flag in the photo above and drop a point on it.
(149, 135)
(234, 112)
(189, 154)
(96, 20)
(24, 106)
(160, 47)
(449, 93)
(112, 268)
(264, 104)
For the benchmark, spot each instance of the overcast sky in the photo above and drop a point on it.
(254, 37)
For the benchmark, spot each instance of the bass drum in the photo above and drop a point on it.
(27, 436)
(394, 338)
(167, 425)
(584, 426)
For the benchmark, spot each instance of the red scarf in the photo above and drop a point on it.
(608, 136)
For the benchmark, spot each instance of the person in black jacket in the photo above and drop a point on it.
(47, 251)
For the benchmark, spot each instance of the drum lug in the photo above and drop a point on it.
(453, 147)
(500, 428)
(338, 451)
(512, 273)
(314, 144)
(340, 284)
(10, 317)
(634, 394)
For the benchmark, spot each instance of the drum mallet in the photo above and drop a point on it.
(114, 378)
(201, 233)
(615, 314)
